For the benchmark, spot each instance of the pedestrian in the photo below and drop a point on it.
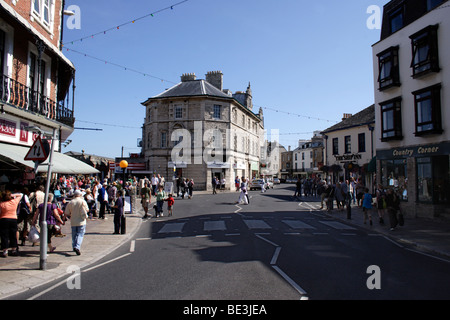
(339, 196)
(8, 222)
(103, 200)
(298, 188)
(392, 206)
(52, 217)
(243, 196)
(155, 182)
(367, 205)
(329, 193)
(170, 203)
(237, 183)
(118, 212)
(381, 203)
(112, 196)
(145, 199)
(160, 197)
(77, 211)
(359, 192)
(24, 216)
(190, 188)
(90, 202)
(214, 185)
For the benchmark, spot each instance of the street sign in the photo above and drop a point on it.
(39, 151)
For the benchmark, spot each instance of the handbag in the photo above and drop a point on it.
(33, 235)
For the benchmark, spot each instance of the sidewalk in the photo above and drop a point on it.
(432, 236)
(19, 274)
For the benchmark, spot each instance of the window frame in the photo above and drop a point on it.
(425, 38)
(388, 56)
(435, 98)
(394, 106)
(361, 142)
(397, 12)
(348, 144)
(335, 146)
(39, 15)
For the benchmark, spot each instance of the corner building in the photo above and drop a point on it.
(412, 76)
(183, 117)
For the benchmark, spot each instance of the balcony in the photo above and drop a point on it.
(23, 97)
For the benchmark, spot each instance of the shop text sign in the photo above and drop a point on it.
(7, 128)
(416, 151)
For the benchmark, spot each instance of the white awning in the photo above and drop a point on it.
(60, 163)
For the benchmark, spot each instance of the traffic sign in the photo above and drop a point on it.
(39, 151)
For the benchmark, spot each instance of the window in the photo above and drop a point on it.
(394, 174)
(391, 120)
(2, 51)
(388, 68)
(43, 11)
(348, 144)
(217, 112)
(335, 146)
(362, 142)
(431, 4)
(178, 112)
(425, 56)
(428, 110)
(432, 179)
(163, 140)
(396, 19)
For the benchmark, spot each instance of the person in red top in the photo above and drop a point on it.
(8, 222)
(170, 202)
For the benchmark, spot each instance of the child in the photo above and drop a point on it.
(367, 205)
(170, 202)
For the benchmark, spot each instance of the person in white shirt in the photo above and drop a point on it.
(77, 210)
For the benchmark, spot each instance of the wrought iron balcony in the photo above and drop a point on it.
(23, 97)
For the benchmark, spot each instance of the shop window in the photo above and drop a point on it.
(394, 175)
(433, 178)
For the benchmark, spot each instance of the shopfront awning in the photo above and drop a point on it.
(61, 163)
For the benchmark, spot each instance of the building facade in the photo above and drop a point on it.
(411, 78)
(350, 148)
(198, 130)
(36, 79)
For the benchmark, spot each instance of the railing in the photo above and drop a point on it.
(25, 98)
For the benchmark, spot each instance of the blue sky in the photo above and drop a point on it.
(310, 58)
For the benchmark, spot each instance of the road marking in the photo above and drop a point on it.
(295, 224)
(172, 228)
(266, 240)
(290, 281)
(214, 226)
(257, 224)
(275, 256)
(132, 246)
(337, 225)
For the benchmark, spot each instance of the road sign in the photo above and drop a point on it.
(39, 151)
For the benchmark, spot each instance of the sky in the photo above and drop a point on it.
(308, 62)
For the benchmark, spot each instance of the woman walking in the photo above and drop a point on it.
(8, 222)
(52, 219)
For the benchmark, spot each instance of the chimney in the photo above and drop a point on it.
(215, 78)
(188, 77)
(346, 116)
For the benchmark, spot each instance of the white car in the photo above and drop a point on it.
(256, 184)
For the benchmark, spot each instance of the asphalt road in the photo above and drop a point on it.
(272, 249)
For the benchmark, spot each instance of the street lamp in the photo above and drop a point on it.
(123, 164)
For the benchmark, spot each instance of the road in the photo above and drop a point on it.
(272, 249)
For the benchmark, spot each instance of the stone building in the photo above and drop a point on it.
(198, 130)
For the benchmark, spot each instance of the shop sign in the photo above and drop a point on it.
(348, 157)
(416, 151)
(7, 128)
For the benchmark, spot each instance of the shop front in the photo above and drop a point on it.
(421, 175)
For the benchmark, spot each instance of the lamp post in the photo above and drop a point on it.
(123, 164)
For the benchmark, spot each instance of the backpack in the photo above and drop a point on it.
(22, 209)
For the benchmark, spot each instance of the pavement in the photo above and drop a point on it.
(21, 273)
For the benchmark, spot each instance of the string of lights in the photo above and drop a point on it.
(296, 114)
(118, 65)
(117, 27)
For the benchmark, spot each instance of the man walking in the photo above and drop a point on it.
(77, 210)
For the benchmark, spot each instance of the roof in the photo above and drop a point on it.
(190, 89)
(364, 117)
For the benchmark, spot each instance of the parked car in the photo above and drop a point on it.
(256, 184)
(276, 181)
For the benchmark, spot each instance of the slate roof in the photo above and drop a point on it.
(192, 88)
(364, 117)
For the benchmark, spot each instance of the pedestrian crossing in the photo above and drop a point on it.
(237, 225)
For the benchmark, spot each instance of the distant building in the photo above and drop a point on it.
(198, 130)
(411, 77)
(308, 157)
(350, 149)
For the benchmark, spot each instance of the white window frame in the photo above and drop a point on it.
(39, 15)
(47, 71)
